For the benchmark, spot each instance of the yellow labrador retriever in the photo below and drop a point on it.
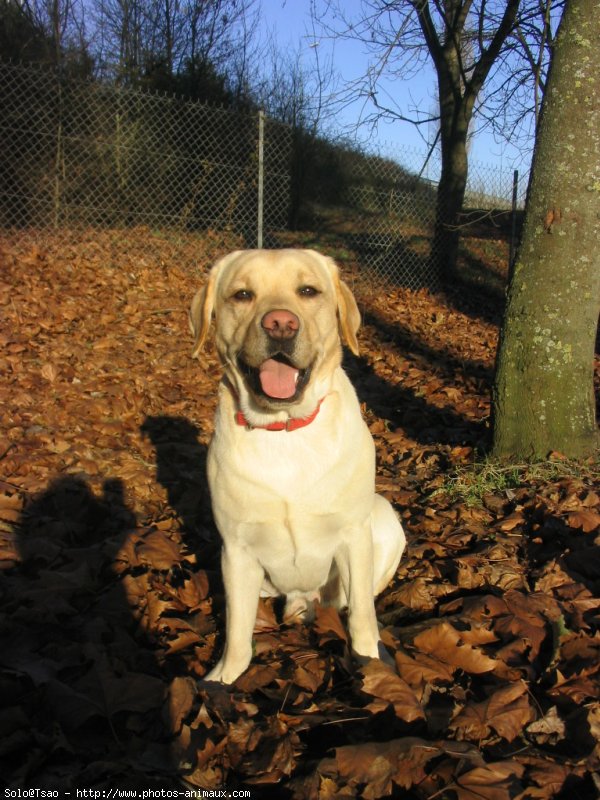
(291, 465)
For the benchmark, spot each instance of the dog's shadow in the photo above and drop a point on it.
(81, 669)
(181, 470)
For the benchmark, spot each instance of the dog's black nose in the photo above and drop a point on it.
(280, 324)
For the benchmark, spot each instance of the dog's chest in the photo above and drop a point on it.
(261, 468)
(296, 550)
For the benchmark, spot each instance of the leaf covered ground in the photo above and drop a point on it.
(111, 599)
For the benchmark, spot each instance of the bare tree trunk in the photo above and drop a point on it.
(544, 391)
(458, 88)
(456, 113)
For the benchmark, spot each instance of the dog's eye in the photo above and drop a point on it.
(243, 295)
(308, 291)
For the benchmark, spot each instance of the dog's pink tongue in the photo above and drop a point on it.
(277, 379)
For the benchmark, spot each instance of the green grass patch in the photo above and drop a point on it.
(470, 484)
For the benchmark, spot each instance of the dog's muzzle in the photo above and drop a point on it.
(277, 378)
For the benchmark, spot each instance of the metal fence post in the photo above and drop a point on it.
(261, 144)
(59, 153)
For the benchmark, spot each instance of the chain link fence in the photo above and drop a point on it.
(77, 153)
(391, 194)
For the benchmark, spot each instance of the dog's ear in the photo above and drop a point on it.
(349, 315)
(204, 302)
(201, 313)
(347, 309)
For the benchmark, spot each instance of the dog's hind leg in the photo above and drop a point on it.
(389, 542)
(388, 545)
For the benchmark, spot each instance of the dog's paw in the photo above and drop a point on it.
(215, 675)
(300, 607)
(224, 672)
(380, 654)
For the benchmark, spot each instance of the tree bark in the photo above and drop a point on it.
(544, 391)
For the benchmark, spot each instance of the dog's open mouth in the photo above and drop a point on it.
(276, 378)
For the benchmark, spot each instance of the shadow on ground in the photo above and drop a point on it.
(91, 609)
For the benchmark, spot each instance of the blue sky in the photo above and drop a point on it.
(291, 26)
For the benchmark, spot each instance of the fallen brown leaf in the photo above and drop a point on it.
(444, 642)
(381, 681)
(506, 712)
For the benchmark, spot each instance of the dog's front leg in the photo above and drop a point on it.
(355, 564)
(242, 578)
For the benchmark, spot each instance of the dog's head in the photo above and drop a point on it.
(280, 316)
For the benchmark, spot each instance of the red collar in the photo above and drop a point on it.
(291, 424)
